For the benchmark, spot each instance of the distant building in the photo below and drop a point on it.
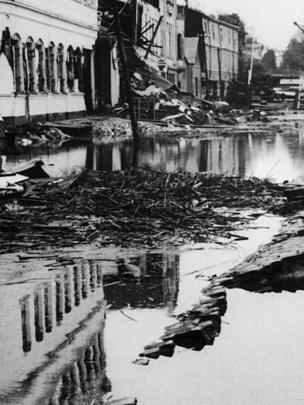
(212, 47)
(47, 59)
(222, 55)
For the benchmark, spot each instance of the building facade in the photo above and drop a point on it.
(158, 18)
(47, 58)
(207, 52)
(222, 55)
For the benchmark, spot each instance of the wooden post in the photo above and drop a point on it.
(125, 72)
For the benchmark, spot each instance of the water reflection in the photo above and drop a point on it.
(278, 156)
(54, 299)
(58, 161)
(147, 281)
(57, 351)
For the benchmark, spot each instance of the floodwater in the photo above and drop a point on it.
(70, 333)
(276, 156)
(70, 329)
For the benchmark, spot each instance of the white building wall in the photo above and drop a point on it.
(70, 23)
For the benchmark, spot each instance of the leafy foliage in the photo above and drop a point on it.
(269, 62)
(293, 58)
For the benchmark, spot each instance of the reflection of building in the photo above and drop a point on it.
(52, 331)
(151, 280)
(85, 377)
(47, 64)
(54, 327)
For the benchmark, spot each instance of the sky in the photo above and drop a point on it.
(271, 21)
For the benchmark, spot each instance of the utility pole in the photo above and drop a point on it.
(205, 63)
(219, 56)
(251, 63)
(126, 79)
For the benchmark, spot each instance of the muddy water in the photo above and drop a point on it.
(70, 332)
(59, 347)
(277, 156)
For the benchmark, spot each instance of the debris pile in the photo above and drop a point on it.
(163, 102)
(196, 328)
(35, 135)
(136, 207)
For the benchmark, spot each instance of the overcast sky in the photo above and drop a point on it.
(270, 20)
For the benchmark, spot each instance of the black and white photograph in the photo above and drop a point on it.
(151, 202)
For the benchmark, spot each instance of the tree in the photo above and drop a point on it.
(293, 58)
(269, 62)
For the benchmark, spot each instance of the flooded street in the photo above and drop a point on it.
(277, 156)
(59, 347)
(71, 331)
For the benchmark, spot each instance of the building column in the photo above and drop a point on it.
(53, 70)
(32, 56)
(19, 71)
(42, 70)
(62, 70)
(93, 78)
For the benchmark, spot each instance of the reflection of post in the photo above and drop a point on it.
(39, 314)
(170, 283)
(48, 308)
(82, 374)
(59, 298)
(76, 380)
(68, 290)
(26, 325)
(88, 358)
(77, 284)
(95, 354)
(99, 274)
(93, 276)
(85, 270)
(65, 390)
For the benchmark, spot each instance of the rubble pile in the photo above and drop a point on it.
(35, 135)
(194, 329)
(132, 208)
(169, 105)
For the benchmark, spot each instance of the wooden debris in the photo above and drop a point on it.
(139, 207)
(123, 401)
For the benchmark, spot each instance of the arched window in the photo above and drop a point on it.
(78, 69)
(62, 69)
(31, 61)
(6, 45)
(70, 63)
(179, 46)
(42, 82)
(51, 68)
(18, 63)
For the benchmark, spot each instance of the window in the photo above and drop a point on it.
(179, 46)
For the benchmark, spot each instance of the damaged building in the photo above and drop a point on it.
(149, 33)
(170, 39)
(47, 59)
(208, 48)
